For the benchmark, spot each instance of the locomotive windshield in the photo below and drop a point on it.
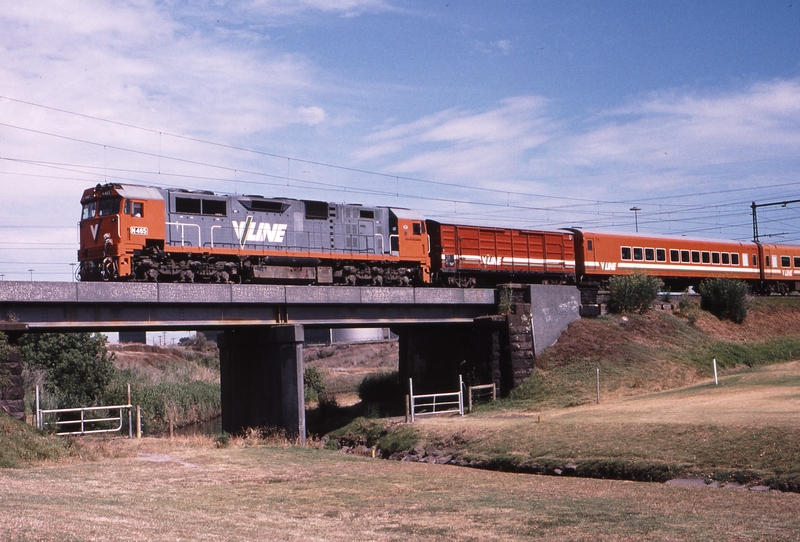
(89, 210)
(108, 206)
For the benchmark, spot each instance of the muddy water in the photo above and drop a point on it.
(212, 427)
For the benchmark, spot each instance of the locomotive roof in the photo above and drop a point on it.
(407, 214)
(139, 192)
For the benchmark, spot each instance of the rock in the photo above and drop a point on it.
(444, 459)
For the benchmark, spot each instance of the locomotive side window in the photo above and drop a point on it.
(637, 254)
(191, 206)
(674, 256)
(626, 253)
(649, 254)
(786, 261)
(264, 205)
(89, 210)
(684, 256)
(418, 228)
(214, 207)
(695, 256)
(726, 258)
(715, 258)
(661, 255)
(706, 257)
(137, 209)
(316, 210)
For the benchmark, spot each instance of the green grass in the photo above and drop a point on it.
(21, 444)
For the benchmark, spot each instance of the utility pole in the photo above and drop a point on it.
(636, 217)
(755, 206)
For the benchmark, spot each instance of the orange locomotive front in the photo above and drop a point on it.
(117, 221)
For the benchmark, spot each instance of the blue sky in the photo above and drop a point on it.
(521, 114)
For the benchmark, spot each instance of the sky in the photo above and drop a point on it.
(524, 114)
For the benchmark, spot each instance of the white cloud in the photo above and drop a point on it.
(455, 143)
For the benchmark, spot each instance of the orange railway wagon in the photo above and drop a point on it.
(678, 261)
(780, 268)
(468, 255)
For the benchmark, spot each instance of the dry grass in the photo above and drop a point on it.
(189, 490)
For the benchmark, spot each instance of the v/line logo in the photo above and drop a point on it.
(248, 231)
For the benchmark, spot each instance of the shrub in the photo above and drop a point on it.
(313, 383)
(77, 365)
(724, 298)
(632, 293)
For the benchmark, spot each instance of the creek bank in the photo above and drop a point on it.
(606, 469)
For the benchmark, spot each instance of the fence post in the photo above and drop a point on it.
(716, 381)
(461, 395)
(598, 385)
(138, 421)
(469, 399)
(38, 417)
(411, 398)
(130, 413)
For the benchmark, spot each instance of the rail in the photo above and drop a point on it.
(84, 421)
(434, 400)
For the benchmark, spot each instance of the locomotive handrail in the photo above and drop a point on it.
(182, 226)
(212, 234)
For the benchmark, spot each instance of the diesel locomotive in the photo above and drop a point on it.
(143, 233)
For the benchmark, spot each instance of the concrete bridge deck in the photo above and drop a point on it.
(65, 306)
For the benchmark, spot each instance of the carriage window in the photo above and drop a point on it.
(649, 254)
(674, 256)
(797, 261)
(786, 261)
(755, 259)
(695, 256)
(735, 258)
(726, 258)
(706, 257)
(637, 254)
(766, 261)
(715, 257)
(684, 256)
(661, 255)
(626, 253)
(589, 245)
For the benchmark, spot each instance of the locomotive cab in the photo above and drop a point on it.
(117, 221)
(409, 239)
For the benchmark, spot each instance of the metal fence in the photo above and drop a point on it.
(436, 403)
(87, 425)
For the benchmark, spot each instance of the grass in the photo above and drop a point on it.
(167, 490)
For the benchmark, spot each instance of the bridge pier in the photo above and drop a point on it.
(261, 375)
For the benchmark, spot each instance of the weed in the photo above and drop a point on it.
(724, 298)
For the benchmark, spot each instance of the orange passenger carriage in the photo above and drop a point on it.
(679, 261)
